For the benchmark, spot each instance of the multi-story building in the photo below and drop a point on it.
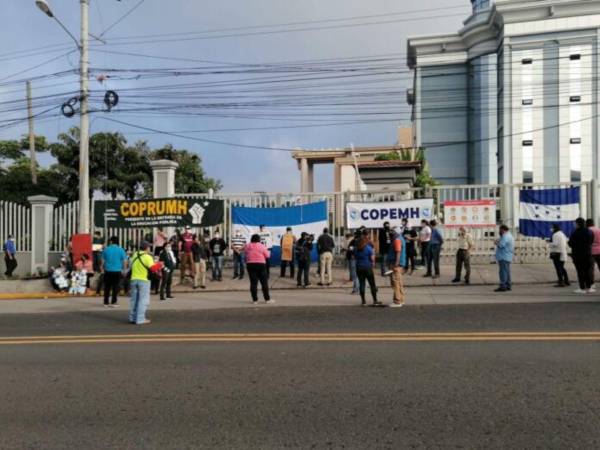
(513, 96)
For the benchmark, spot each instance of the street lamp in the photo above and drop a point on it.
(84, 127)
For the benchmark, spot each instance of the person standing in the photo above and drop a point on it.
(167, 257)
(365, 262)
(385, 240)
(113, 262)
(325, 246)
(505, 250)
(185, 253)
(141, 261)
(200, 256)
(581, 241)
(256, 263)
(435, 249)
(238, 242)
(266, 239)
(97, 247)
(396, 261)
(589, 223)
(410, 238)
(463, 255)
(159, 241)
(217, 248)
(424, 238)
(10, 255)
(558, 255)
(288, 241)
(351, 243)
(303, 252)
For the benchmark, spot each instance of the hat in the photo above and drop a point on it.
(187, 227)
(144, 245)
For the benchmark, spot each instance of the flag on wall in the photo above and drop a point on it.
(311, 218)
(543, 207)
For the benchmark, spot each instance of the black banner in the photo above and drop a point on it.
(158, 212)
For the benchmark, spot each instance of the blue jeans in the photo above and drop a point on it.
(353, 276)
(504, 269)
(140, 300)
(217, 267)
(238, 265)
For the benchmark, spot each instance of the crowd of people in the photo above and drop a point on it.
(399, 251)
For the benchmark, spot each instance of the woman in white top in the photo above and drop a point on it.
(558, 255)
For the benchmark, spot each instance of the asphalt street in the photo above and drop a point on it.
(456, 376)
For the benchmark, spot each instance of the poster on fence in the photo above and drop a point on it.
(157, 212)
(310, 218)
(470, 213)
(373, 215)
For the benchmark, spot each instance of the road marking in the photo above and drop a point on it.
(305, 337)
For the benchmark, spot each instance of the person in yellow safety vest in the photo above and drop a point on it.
(288, 241)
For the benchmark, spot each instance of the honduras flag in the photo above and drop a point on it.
(544, 207)
(311, 218)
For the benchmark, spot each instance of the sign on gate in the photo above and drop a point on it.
(470, 213)
(373, 215)
(174, 212)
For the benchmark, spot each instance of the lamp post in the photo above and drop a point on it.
(84, 175)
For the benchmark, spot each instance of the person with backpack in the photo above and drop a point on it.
(303, 252)
(141, 263)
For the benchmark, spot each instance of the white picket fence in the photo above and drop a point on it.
(15, 220)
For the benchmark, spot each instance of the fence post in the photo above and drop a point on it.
(41, 230)
(595, 199)
(163, 175)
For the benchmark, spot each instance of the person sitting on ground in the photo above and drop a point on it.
(79, 280)
(85, 264)
(59, 277)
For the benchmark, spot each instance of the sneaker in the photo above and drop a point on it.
(255, 302)
(320, 284)
(500, 289)
(591, 290)
(145, 322)
(162, 299)
(388, 273)
(377, 303)
(363, 304)
(467, 282)
(170, 296)
(106, 305)
(114, 305)
(270, 301)
(396, 305)
(457, 280)
(579, 291)
(427, 275)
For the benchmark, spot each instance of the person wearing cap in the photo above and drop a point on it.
(141, 262)
(186, 255)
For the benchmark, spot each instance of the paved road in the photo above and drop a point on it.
(516, 392)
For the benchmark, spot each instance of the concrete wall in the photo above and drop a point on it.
(24, 264)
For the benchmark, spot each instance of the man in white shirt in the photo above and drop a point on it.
(424, 239)
(558, 255)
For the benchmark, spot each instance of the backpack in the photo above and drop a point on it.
(153, 276)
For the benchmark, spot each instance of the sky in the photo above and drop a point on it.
(225, 52)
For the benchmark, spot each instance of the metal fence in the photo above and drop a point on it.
(15, 220)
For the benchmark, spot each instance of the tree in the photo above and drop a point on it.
(424, 177)
(16, 186)
(190, 177)
(13, 149)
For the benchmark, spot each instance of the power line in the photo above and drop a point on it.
(123, 17)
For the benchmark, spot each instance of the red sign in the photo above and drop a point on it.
(470, 213)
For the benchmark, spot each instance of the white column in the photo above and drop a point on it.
(163, 175)
(304, 175)
(41, 230)
(311, 178)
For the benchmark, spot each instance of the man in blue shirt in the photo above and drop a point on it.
(435, 248)
(505, 250)
(10, 255)
(114, 260)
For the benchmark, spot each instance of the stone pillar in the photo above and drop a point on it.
(311, 178)
(41, 230)
(163, 174)
(303, 175)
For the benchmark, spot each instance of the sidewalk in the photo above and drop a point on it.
(481, 275)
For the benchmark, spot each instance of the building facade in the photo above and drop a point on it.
(513, 96)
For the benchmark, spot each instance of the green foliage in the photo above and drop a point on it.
(116, 169)
(13, 149)
(424, 177)
(189, 177)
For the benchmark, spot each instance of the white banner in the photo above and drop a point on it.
(373, 215)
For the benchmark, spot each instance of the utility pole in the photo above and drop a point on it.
(32, 157)
(84, 128)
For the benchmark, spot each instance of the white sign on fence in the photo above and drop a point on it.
(470, 213)
(373, 215)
